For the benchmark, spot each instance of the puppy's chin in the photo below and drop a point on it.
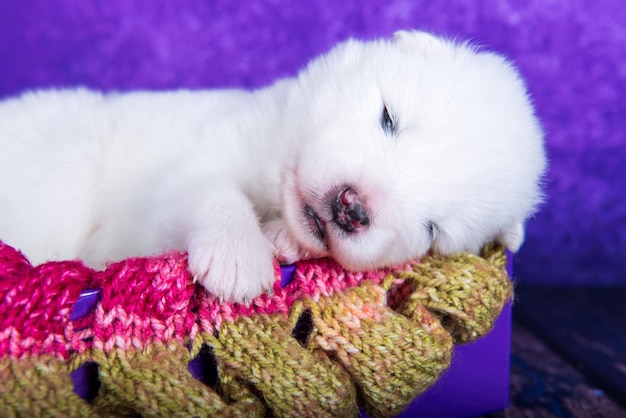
(367, 251)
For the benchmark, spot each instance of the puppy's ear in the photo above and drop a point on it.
(423, 42)
(512, 237)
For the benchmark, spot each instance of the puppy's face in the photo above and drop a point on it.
(407, 145)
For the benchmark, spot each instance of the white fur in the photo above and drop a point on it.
(226, 175)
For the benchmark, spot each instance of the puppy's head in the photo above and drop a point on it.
(406, 145)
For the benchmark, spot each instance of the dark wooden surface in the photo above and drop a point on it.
(568, 353)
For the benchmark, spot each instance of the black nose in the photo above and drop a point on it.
(348, 210)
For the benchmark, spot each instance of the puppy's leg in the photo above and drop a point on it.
(216, 223)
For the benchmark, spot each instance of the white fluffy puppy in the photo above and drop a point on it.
(374, 154)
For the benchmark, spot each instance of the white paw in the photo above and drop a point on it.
(286, 249)
(237, 266)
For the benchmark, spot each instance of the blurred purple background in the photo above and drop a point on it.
(573, 54)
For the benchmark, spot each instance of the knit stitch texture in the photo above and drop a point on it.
(329, 342)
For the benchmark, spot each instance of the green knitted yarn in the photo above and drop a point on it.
(155, 382)
(466, 291)
(391, 358)
(39, 387)
(294, 381)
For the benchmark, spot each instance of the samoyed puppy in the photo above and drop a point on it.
(374, 154)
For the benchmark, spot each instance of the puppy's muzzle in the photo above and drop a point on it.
(349, 210)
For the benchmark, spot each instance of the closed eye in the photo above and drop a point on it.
(433, 230)
(387, 121)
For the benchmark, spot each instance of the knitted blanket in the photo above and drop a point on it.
(327, 342)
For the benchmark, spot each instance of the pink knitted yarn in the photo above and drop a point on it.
(143, 301)
(36, 303)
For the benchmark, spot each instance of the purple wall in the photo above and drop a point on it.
(573, 53)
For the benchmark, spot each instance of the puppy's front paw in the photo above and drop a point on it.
(237, 267)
